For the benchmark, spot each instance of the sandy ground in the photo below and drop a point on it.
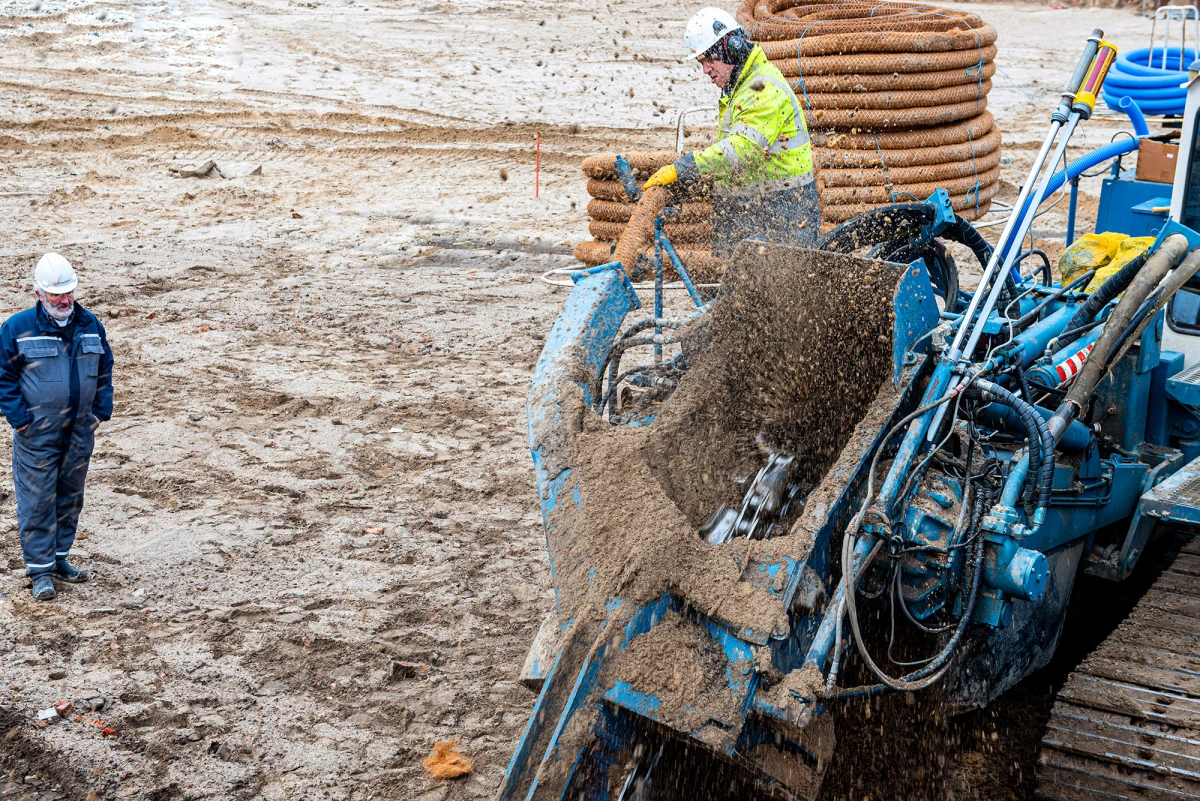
(317, 464)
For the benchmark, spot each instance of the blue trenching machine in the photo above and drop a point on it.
(1034, 431)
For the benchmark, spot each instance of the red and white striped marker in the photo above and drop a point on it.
(1068, 369)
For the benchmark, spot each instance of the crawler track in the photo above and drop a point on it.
(1127, 722)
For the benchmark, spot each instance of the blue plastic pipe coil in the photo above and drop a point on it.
(1138, 74)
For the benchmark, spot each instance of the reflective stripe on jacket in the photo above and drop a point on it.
(763, 135)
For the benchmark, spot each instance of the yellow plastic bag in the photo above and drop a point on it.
(1129, 247)
(1105, 253)
(1088, 252)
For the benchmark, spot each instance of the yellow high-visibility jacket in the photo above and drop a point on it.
(763, 136)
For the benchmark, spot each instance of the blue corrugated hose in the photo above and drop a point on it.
(1157, 91)
(1098, 156)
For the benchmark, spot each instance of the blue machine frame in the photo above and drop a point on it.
(1127, 466)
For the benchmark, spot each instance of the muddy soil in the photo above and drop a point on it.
(317, 468)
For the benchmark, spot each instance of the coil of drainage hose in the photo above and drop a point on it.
(1141, 75)
(867, 176)
(840, 154)
(877, 66)
(969, 132)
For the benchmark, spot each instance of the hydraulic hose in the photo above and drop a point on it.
(1041, 444)
(899, 221)
(964, 233)
(1158, 264)
(932, 672)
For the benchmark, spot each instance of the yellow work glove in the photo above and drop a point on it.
(665, 175)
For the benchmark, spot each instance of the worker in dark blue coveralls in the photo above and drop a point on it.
(55, 390)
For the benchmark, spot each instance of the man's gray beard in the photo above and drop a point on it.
(55, 314)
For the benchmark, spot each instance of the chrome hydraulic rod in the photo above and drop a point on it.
(971, 328)
(1081, 109)
(1057, 119)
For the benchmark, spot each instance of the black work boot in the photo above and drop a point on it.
(43, 588)
(71, 575)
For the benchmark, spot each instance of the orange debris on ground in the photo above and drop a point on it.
(445, 762)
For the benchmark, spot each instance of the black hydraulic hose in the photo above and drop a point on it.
(1147, 306)
(932, 672)
(1047, 273)
(964, 233)
(901, 221)
(1114, 285)
(1040, 441)
(898, 221)
(1067, 338)
(1026, 393)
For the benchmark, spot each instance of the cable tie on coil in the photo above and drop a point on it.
(800, 69)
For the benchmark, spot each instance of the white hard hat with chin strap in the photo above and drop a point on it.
(707, 27)
(54, 275)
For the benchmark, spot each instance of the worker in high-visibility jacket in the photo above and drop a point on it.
(759, 173)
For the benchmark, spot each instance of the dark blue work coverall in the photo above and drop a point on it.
(60, 388)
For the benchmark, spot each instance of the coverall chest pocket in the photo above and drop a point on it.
(43, 360)
(90, 351)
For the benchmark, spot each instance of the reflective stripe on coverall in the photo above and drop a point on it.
(60, 389)
(761, 165)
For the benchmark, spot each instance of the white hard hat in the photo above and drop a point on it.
(707, 27)
(54, 274)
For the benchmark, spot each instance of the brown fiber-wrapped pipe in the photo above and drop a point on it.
(910, 175)
(899, 118)
(884, 194)
(967, 207)
(606, 189)
(892, 81)
(966, 131)
(605, 166)
(612, 211)
(847, 19)
(876, 63)
(836, 158)
(676, 232)
(947, 96)
(639, 231)
(867, 42)
(701, 265)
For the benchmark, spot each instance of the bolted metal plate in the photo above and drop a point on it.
(1185, 386)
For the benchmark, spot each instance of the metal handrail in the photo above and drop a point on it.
(679, 125)
(1171, 14)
